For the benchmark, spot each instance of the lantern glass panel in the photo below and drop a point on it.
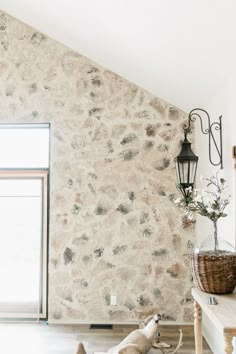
(193, 170)
(177, 171)
(184, 172)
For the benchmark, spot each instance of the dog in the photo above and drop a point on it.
(139, 341)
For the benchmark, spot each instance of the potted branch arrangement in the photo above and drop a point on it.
(213, 263)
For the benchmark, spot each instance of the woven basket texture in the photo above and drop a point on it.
(214, 274)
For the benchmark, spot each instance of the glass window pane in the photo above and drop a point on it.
(24, 146)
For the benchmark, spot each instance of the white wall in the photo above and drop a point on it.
(223, 103)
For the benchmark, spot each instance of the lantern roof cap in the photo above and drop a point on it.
(186, 153)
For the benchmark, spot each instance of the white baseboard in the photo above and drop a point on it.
(75, 322)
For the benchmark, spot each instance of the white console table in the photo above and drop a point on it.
(222, 316)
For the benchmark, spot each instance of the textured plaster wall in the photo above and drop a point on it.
(113, 227)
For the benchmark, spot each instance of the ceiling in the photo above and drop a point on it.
(181, 51)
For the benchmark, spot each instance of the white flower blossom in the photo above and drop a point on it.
(189, 189)
(177, 201)
(210, 210)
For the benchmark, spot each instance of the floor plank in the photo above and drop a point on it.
(51, 339)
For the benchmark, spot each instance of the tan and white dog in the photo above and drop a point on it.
(139, 341)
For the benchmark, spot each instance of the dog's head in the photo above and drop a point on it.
(154, 319)
(157, 318)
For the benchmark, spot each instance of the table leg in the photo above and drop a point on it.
(198, 327)
(228, 344)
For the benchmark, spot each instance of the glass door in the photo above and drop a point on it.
(23, 243)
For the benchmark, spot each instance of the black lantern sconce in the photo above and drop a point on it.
(186, 161)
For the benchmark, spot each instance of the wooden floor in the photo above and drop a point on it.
(49, 339)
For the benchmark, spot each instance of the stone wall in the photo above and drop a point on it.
(113, 227)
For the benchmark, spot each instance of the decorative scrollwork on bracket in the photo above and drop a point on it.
(208, 130)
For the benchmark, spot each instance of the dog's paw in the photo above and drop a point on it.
(160, 345)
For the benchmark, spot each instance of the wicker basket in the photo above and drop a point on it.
(214, 274)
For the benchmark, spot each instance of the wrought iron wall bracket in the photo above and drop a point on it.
(209, 130)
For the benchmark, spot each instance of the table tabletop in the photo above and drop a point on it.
(223, 315)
